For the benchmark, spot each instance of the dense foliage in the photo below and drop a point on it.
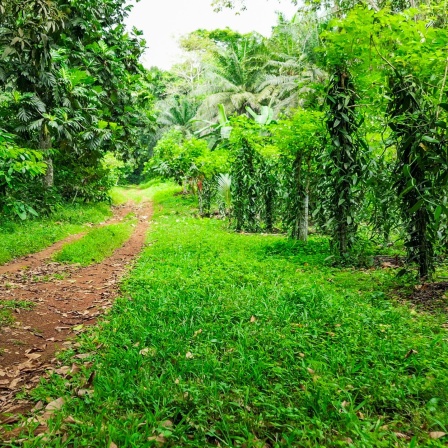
(71, 89)
(336, 121)
(341, 118)
(295, 165)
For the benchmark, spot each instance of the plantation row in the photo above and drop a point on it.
(338, 119)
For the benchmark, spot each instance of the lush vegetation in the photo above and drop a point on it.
(282, 168)
(334, 121)
(74, 105)
(24, 237)
(245, 340)
(97, 245)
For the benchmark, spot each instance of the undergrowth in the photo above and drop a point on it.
(224, 339)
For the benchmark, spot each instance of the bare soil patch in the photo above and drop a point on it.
(65, 297)
(430, 296)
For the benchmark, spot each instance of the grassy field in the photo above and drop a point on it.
(138, 193)
(223, 339)
(22, 238)
(97, 244)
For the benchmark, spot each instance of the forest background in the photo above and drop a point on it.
(337, 120)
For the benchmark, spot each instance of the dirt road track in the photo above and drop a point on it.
(65, 297)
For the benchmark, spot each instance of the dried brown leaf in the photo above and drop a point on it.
(64, 370)
(437, 434)
(9, 420)
(38, 406)
(160, 439)
(83, 355)
(84, 392)
(14, 383)
(55, 405)
(400, 435)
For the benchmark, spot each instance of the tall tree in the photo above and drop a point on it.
(234, 77)
(71, 65)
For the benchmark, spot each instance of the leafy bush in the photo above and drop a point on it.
(190, 163)
(18, 166)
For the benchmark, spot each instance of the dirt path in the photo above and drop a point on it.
(66, 297)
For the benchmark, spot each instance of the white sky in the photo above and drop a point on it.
(164, 21)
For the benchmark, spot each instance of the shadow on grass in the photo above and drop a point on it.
(317, 246)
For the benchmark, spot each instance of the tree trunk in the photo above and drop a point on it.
(408, 124)
(303, 220)
(45, 146)
(342, 125)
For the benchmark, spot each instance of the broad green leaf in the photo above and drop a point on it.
(416, 206)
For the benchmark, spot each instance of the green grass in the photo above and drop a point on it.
(22, 238)
(138, 193)
(247, 340)
(7, 307)
(97, 244)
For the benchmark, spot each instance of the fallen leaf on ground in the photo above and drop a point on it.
(400, 435)
(9, 420)
(159, 439)
(70, 419)
(411, 352)
(63, 370)
(55, 405)
(39, 405)
(253, 319)
(84, 392)
(14, 383)
(90, 380)
(437, 434)
(83, 355)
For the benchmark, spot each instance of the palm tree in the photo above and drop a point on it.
(234, 78)
(177, 113)
(292, 65)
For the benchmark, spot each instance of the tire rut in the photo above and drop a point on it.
(65, 297)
